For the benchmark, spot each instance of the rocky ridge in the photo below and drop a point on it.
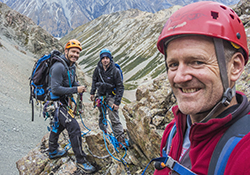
(146, 119)
(131, 36)
(25, 32)
(59, 17)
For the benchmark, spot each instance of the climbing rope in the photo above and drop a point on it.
(68, 146)
(112, 139)
(50, 110)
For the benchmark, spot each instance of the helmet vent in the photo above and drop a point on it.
(215, 15)
(232, 11)
(239, 20)
(223, 7)
(232, 16)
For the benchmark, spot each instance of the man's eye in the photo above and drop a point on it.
(172, 65)
(198, 62)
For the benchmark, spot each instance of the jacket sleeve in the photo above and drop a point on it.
(94, 81)
(119, 87)
(57, 85)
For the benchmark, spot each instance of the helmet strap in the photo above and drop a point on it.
(220, 104)
(67, 57)
(220, 54)
(228, 93)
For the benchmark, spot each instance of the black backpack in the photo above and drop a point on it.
(39, 79)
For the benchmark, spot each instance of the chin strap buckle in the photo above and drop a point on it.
(227, 97)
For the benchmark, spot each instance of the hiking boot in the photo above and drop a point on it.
(57, 153)
(122, 142)
(86, 167)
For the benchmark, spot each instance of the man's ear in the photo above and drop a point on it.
(66, 51)
(236, 66)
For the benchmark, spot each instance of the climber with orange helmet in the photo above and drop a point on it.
(205, 48)
(63, 84)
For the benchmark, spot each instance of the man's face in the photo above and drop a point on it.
(105, 61)
(72, 54)
(193, 73)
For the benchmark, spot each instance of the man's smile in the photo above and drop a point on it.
(189, 90)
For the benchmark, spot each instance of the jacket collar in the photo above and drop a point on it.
(214, 125)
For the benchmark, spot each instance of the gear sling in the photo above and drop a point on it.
(220, 154)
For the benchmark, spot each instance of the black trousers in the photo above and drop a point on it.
(74, 132)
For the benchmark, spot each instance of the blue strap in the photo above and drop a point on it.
(226, 151)
(166, 149)
(227, 143)
(53, 96)
(168, 161)
(173, 165)
(69, 79)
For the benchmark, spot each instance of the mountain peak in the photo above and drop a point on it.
(59, 17)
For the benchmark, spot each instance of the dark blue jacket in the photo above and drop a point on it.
(111, 77)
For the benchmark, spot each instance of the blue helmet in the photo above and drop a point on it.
(105, 53)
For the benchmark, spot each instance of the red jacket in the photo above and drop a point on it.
(203, 139)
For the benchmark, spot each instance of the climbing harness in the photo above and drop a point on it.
(51, 111)
(101, 102)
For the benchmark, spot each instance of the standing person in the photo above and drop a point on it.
(63, 85)
(205, 48)
(110, 85)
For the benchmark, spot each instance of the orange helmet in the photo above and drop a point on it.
(73, 43)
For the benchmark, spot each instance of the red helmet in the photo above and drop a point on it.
(205, 18)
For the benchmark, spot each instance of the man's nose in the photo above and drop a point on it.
(183, 74)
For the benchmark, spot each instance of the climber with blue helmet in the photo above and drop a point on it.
(107, 81)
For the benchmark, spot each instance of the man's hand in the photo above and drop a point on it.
(92, 97)
(115, 107)
(81, 89)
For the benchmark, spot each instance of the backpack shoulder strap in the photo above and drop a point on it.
(226, 145)
(99, 71)
(119, 70)
(171, 135)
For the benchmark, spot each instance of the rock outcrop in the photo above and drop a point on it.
(25, 32)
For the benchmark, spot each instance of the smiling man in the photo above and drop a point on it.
(63, 84)
(107, 82)
(205, 48)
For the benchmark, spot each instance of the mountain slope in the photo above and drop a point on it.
(59, 17)
(131, 36)
(25, 32)
(21, 40)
